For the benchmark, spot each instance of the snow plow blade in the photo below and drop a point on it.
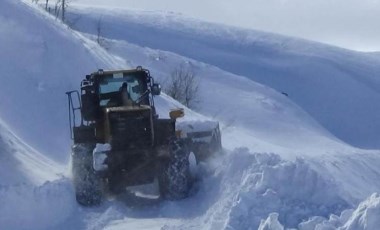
(204, 137)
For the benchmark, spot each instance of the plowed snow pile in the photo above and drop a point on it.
(254, 189)
(365, 216)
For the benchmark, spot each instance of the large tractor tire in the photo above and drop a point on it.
(175, 178)
(87, 184)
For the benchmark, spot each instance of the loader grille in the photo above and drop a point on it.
(131, 129)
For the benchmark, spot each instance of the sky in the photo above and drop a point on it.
(352, 24)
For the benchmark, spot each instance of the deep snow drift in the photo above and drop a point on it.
(20, 163)
(338, 87)
(292, 173)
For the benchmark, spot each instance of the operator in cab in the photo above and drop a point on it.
(123, 98)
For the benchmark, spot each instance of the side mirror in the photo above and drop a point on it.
(156, 89)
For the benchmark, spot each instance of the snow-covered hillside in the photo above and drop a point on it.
(280, 167)
(40, 60)
(338, 87)
(345, 23)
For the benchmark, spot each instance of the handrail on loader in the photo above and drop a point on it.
(72, 109)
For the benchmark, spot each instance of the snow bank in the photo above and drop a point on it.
(20, 163)
(292, 189)
(250, 190)
(40, 60)
(43, 207)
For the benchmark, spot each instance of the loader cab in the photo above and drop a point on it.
(107, 89)
(115, 87)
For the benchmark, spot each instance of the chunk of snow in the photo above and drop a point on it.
(366, 216)
(271, 223)
(99, 156)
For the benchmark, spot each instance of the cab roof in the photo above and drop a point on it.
(107, 72)
(98, 75)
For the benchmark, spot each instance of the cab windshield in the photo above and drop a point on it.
(110, 87)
